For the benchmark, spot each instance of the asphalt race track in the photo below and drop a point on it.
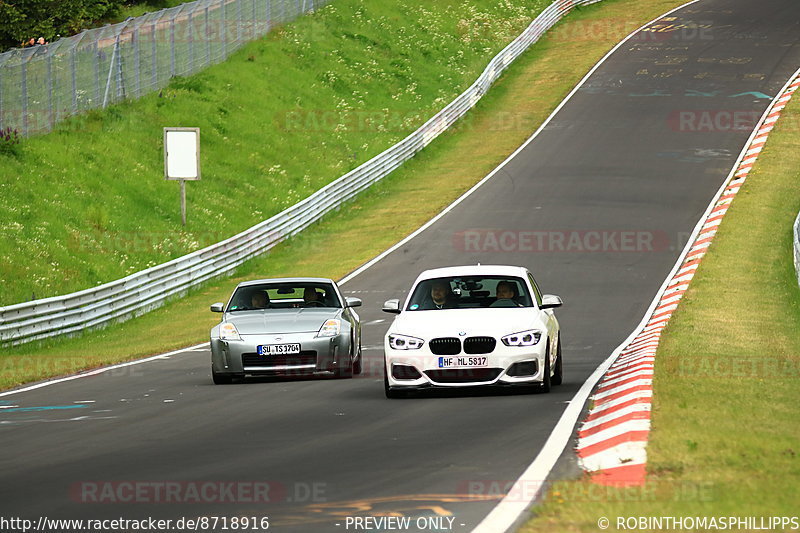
(598, 206)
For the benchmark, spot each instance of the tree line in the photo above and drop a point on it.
(31, 22)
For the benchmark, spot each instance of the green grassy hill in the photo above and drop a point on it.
(87, 204)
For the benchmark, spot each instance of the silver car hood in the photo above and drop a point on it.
(271, 321)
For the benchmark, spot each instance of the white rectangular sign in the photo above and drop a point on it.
(182, 153)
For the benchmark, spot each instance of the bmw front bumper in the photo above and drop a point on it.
(505, 365)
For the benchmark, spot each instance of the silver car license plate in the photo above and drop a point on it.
(279, 349)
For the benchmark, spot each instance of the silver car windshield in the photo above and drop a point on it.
(469, 292)
(286, 295)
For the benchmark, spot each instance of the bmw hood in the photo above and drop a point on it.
(273, 321)
(465, 322)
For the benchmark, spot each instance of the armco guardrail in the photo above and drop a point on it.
(797, 247)
(42, 85)
(140, 292)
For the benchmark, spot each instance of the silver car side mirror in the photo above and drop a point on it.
(218, 307)
(551, 301)
(352, 302)
(392, 306)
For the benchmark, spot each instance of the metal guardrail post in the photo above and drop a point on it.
(190, 43)
(51, 119)
(137, 64)
(154, 51)
(96, 57)
(120, 78)
(172, 47)
(223, 29)
(110, 72)
(239, 21)
(207, 34)
(24, 92)
(254, 32)
(74, 75)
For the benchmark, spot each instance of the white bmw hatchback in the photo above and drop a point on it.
(470, 326)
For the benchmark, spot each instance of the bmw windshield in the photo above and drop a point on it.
(469, 292)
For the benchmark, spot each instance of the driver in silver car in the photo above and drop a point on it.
(311, 297)
(259, 300)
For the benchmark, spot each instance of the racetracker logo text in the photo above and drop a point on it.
(492, 240)
(202, 492)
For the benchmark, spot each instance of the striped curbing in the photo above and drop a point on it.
(612, 440)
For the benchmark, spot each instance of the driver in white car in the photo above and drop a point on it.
(442, 296)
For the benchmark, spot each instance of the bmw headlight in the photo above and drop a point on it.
(523, 338)
(228, 332)
(330, 328)
(404, 342)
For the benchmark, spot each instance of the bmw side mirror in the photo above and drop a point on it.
(217, 307)
(392, 306)
(352, 302)
(551, 301)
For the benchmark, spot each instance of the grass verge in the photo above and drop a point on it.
(519, 102)
(284, 116)
(725, 423)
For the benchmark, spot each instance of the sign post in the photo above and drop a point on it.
(182, 159)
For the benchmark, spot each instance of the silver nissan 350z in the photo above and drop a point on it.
(286, 327)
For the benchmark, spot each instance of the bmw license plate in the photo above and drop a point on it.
(279, 349)
(461, 361)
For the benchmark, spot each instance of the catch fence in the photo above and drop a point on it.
(44, 84)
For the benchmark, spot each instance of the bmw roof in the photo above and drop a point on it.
(473, 270)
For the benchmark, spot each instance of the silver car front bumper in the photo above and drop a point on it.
(317, 355)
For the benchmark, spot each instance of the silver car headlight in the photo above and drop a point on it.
(330, 328)
(404, 342)
(228, 332)
(523, 338)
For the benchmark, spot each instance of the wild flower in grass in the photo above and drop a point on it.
(9, 141)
